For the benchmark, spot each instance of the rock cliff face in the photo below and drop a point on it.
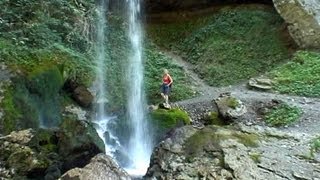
(232, 153)
(303, 18)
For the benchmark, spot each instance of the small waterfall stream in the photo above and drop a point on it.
(101, 119)
(140, 144)
(138, 149)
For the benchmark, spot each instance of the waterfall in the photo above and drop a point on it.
(133, 155)
(140, 143)
(101, 119)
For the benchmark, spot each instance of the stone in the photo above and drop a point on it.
(77, 111)
(260, 83)
(101, 167)
(19, 137)
(303, 19)
(229, 107)
(82, 96)
(20, 158)
(78, 143)
(231, 153)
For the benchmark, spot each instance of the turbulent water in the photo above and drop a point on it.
(140, 145)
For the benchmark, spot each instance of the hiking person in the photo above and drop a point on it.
(166, 86)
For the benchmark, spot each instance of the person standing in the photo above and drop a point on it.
(166, 86)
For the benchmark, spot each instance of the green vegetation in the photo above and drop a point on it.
(170, 118)
(49, 42)
(11, 114)
(164, 120)
(256, 157)
(47, 141)
(250, 140)
(155, 64)
(232, 102)
(315, 146)
(282, 115)
(231, 45)
(300, 76)
(214, 119)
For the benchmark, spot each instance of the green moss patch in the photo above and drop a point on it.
(282, 115)
(315, 147)
(214, 119)
(11, 113)
(209, 138)
(229, 46)
(163, 120)
(300, 76)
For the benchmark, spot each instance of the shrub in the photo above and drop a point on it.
(299, 76)
(282, 115)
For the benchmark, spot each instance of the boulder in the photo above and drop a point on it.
(239, 153)
(79, 93)
(303, 19)
(20, 158)
(201, 154)
(78, 143)
(165, 120)
(230, 108)
(101, 167)
(260, 83)
(82, 96)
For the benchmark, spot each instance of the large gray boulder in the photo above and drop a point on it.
(101, 167)
(303, 18)
(239, 153)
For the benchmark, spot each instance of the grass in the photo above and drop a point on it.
(300, 76)
(282, 115)
(315, 147)
(154, 65)
(229, 46)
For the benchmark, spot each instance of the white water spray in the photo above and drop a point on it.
(101, 120)
(140, 145)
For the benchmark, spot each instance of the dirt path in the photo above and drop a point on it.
(309, 122)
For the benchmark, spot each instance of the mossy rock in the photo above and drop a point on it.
(78, 143)
(46, 141)
(11, 113)
(24, 161)
(45, 80)
(213, 118)
(165, 120)
(209, 138)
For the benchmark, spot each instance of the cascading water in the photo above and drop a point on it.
(101, 120)
(138, 149)
(140, 145)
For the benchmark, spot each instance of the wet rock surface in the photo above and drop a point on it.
(78, 143)
(101, 167)
(245, 152)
